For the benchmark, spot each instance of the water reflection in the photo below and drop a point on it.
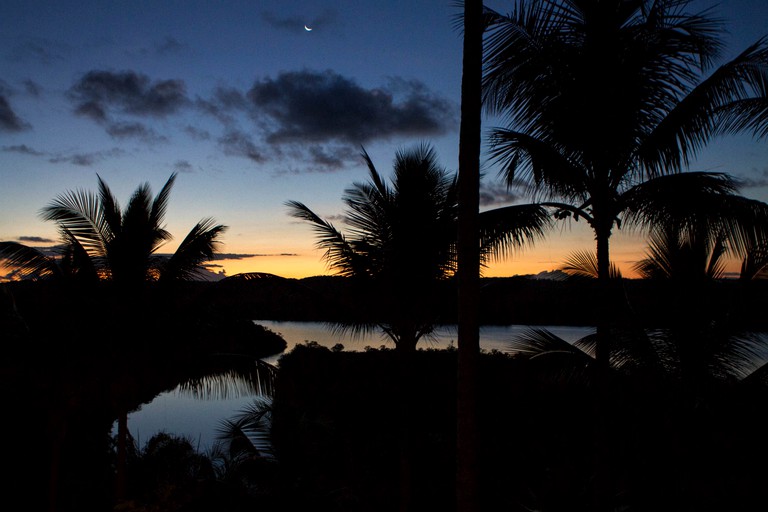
(196, 408)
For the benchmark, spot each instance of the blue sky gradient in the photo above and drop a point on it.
(253, 110)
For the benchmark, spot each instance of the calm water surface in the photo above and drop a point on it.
(198, 419)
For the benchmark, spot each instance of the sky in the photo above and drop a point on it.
(254, 103)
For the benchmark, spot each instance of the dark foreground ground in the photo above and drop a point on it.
(369, 431)
(343, 422)
(503, 301)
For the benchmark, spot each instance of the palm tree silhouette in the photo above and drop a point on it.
(402, 240)
(102, 242)
(604, 99)
(401, 246)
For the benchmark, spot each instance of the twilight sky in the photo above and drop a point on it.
(251, 109)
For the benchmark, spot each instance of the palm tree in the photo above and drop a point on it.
(468, 257)
(101, 242)
(402, 240)
(402, 247)
(607, 103)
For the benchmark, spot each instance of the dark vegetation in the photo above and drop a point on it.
(670, 449)
(503, 300)
(660, 410)
(71, 367)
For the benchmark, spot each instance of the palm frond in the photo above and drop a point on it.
(240, 379)
(339, 253)
(749, 112)
(584, 264)
(28, 261)
(698, 202)
(248, 433)
(540, 342)
(81, 214)
(503, 230)
(111, 218)
(755, 263)
(692, 122)
(198, 247)
(160, 203)
(541, 164)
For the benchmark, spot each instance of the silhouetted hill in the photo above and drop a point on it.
(527, 300)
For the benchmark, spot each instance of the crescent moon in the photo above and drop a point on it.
(307, 28)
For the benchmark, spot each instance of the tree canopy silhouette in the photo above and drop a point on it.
(608, 102)
(402, 238)
(101, 241)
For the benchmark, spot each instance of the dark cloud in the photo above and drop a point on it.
(319, 158)
(81, 159)
(238, 143)
(32, 88)
(85, 159)
(99, 93)
(36, 240)
(295, 22)
(756, 180)
(232, 256)
(197, 133)
(495, 194)
(5, 88)
(9, 120)
(182, 166)
(37, 50)
(224, 102)
(236, 256)
(308, 106)
(169, 46)
(133, 130)
(23, 149)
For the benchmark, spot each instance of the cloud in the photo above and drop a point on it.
(236, 256)
(295, 22)
(232, 256)
(128, 92)
(197, 133)
(36, 240)
(316, 121)
(757, 180)
(168, 46)
(133, 130)
(82, 159)
(182, 166)
(9, 120)
(223, 104)
(495, 194)
(87, 159)
(308, 106)
(32, 88)
(23, 149)
(38, 50)
(238, 143)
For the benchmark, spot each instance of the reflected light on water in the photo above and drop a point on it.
(196, 409)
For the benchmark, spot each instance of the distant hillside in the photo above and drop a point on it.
(528, 300)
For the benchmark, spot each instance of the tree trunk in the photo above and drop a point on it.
(602, 491)
(122, 449)
(468, 254)
(602, 349)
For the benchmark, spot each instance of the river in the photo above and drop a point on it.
(198, 419)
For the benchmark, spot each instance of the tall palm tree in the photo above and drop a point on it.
(402, 239)
(468, 257)
(605, 98)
